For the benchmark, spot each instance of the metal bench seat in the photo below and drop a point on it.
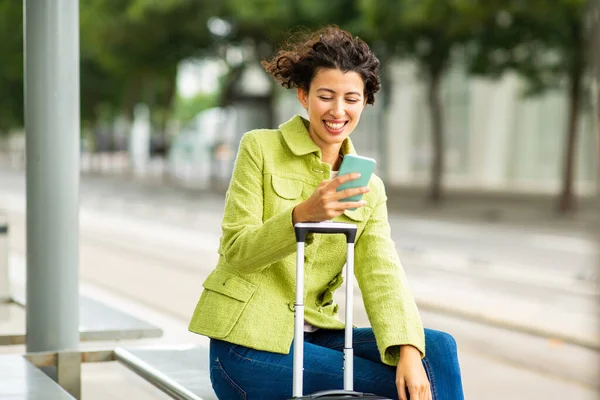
(21, 380)
(180, 371)
(98, 322)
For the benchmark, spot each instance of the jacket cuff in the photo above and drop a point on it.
(390, 349)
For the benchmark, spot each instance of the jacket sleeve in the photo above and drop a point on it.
(247, 243)
(389, 303)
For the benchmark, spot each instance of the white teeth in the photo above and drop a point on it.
(335, 127)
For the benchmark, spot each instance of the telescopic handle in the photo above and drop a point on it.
(304, 228)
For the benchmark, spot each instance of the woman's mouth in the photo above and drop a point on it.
(335, 127)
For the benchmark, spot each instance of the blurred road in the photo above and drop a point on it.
(521, 302)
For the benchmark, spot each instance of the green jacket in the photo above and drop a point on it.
(249, 298)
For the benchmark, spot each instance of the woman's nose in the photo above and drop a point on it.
(337, 109)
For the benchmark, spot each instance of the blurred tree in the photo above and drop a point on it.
(593, 26)
(11, 67)
(428, 32)
(269, 22)
(134, 48)
(545, 41)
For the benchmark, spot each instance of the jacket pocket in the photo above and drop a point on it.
(288, 189)
(221, 304)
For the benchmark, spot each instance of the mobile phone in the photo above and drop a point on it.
(353, 163)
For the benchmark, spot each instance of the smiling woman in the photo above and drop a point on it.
(336, 101)
(289, 175)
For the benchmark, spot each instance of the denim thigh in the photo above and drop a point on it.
(440, 361)
(242, 373)
(239, 372)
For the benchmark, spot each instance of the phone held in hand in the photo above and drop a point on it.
(353, 163)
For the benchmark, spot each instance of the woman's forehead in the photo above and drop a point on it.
(338, 81)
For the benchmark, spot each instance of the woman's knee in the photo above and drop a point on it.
(440, 342)
(442, 364)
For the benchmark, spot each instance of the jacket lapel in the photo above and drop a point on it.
(296, 136)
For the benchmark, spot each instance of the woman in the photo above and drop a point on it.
(286, 176)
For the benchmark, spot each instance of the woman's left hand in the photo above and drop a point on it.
(411, 376)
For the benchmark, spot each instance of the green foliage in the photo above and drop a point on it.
(425, 30)
(11, 67)
(129, 51)
(269, 22)
(542, 40)
(136, 45)
(187, 108)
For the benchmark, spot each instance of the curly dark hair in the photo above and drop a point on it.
(298, 60)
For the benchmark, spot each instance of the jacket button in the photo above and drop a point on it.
(309, 239)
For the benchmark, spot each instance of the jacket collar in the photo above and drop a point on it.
(296, 136)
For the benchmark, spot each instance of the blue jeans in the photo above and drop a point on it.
(241, 373)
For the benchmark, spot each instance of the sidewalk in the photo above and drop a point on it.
(519, 210)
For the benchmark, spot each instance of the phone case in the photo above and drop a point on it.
(353, 163)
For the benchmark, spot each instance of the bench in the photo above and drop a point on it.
(181, 371)
(98, 322)
(22, 380)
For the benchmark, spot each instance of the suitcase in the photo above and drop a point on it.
(327, 227)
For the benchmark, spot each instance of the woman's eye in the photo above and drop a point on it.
(325, 98)
(352, 101)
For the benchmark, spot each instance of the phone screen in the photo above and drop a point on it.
(353, 163)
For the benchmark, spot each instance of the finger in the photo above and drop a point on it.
(342, 194)
(344, 178)
(424, 392)
(413, 392)
(345, 205)
(402, 389)
(418, 391)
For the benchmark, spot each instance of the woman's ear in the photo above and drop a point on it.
(302, 97)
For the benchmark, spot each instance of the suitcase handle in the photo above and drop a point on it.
(328, 227)
(342, 394)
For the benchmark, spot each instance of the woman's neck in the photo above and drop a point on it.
(332, 157)
(330, 153)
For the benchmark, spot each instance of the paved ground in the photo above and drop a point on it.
(146, 251)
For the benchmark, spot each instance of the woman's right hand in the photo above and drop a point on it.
(324, 204)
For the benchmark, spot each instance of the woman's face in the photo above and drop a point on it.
(334, 104)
